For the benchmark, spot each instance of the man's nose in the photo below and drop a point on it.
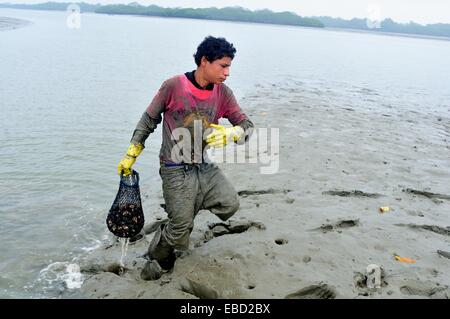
(226, 71)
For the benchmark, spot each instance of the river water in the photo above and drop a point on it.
(70, 99)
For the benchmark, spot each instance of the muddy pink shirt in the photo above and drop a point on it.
(182, 103)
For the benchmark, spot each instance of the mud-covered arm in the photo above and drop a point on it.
(248, 127)
(144, 128)
(237, 117)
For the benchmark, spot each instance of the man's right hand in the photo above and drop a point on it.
(129, 159)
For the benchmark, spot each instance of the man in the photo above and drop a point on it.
(191, 104)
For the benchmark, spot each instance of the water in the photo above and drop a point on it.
(124, 248)
(70, 99)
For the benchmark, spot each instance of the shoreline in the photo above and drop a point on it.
(393, 34)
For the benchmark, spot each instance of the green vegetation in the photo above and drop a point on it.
(388, 25)
(244, 15)
(56, 6)
(226, 14)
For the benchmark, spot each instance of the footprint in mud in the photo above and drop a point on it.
(93, 268)
(355, 193)
(424, 289)
(436, 229)
(229, 227)
(443, 253)
(246, 193)
(426, 194)
(198, 289)
(321, 291)
(339, 225)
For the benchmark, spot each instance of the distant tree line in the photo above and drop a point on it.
(388, 25)
(56, 6)
(226, 14)
(245, 15)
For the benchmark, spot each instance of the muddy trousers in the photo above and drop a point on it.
(186, 190)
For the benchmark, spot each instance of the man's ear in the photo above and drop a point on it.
(203, 61)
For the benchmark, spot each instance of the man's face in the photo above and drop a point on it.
(217, 71)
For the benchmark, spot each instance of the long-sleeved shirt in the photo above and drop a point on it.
(181, 103)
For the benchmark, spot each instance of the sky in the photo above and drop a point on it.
(420, 11)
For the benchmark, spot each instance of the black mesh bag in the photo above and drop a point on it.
(126, 217)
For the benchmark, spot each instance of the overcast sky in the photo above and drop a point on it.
(421, 11)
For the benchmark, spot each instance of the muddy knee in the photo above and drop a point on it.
(226, 212)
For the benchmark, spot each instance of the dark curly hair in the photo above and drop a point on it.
(214, 49)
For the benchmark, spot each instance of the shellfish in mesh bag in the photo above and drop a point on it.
(126, 217)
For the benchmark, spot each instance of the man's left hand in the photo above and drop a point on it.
(223, 135)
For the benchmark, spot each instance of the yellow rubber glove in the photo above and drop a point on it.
(223, 135)
(127, 162)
